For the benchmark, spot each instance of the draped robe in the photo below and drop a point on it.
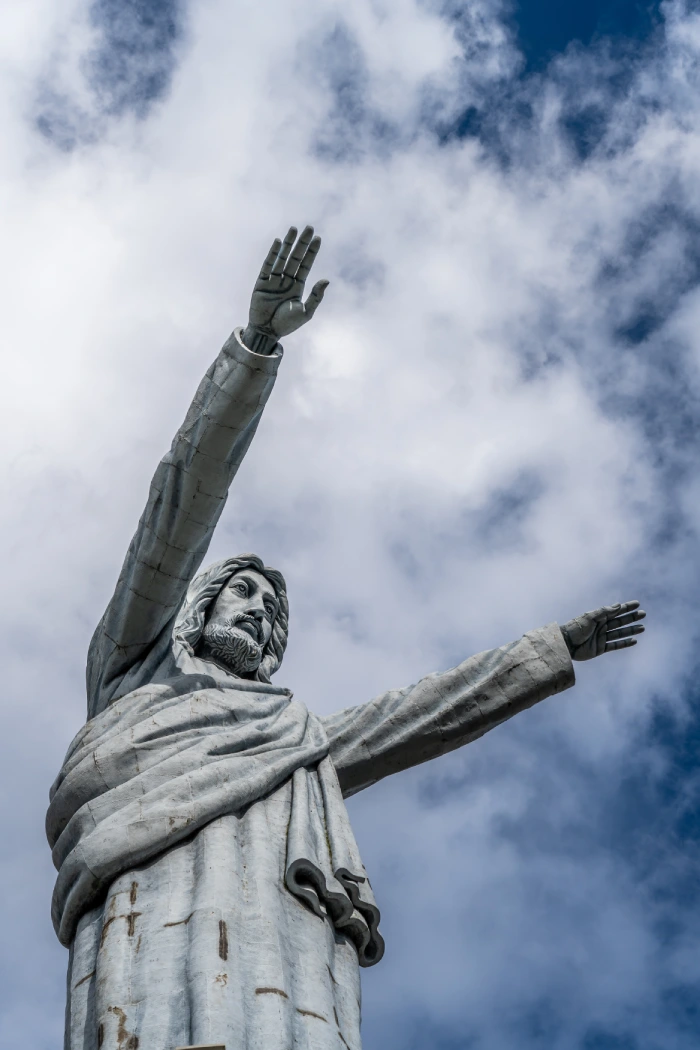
(209, 885)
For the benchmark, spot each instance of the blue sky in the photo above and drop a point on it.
(491, 424)
(548, 28)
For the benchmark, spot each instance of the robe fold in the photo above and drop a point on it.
(164, 761)
(209, 884)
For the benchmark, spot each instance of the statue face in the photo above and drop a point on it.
(250, 597)
(240, 623)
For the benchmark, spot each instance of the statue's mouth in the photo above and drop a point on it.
(251, 627)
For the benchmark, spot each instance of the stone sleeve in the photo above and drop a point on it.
(187, 495)
(443, 711)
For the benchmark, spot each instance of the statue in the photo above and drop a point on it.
(209, 885)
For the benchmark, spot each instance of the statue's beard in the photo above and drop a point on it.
(231, 646)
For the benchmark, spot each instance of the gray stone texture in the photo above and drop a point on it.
(209, 886)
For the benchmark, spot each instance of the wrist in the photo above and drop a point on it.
(258, 340)
(567, 639)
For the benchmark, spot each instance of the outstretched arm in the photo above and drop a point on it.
(190, 486)
(441, 712)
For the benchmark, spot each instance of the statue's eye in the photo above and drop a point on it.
(270, 610)
(241, 588)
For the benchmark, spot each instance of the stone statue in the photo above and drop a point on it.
(209, 886)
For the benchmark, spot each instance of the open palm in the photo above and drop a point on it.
(276, 306)
(603, 630)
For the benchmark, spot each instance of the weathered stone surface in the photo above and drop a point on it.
(203, 1046)
(209, 885)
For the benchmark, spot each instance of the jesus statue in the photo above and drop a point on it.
(209, 887)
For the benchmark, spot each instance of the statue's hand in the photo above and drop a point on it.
(276, 307)
(603, 630)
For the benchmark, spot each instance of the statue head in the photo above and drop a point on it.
(237, 613)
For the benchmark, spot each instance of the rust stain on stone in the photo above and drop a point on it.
(125, 1040)
(271, 991)
(122, 1034)
(310, 1013)
(105, 929)
(121, 1016)
(131, 922)
(221, 978)
(130, 925)
(132, 895)
(84, 979)
(172, 821)
(223, 940)
(180, 922)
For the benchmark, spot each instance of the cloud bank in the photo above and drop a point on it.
(490, 424)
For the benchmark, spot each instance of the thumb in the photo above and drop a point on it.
(315, 296)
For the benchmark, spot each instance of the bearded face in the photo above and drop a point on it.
(231, 644)
(240, 623)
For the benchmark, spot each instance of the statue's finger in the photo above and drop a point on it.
(308, 260)
(624, 632)
(315, 296)
(631, 617)
(266, 269)
(603, 613)
(284, 251)
(299, 251)
(626, 607)
(622, 643)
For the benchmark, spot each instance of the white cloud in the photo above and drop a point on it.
(458, 449)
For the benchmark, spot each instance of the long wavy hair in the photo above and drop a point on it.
(205, 589)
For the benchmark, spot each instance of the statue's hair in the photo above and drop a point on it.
(205, 589)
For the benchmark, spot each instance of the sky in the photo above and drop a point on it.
(490, 424)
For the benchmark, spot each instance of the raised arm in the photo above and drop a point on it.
(441, 712)
(190, 486)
